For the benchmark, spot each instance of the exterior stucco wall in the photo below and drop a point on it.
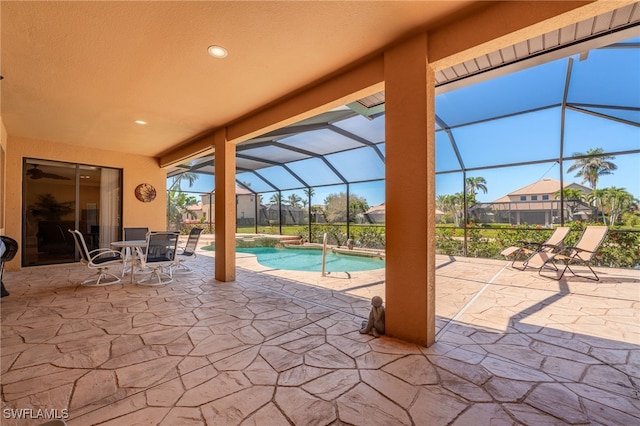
(3, 175)
(136, 170)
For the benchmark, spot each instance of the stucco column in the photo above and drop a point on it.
(225, 207)
(410, 192)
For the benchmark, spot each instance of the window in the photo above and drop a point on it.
(545, 198)
(534, 198)
(523, 198)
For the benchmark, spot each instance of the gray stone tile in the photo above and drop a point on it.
(276, 348)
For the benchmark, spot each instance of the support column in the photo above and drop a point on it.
(410, 192)
(225, 207)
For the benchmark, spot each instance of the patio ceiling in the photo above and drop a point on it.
(347, 145)
(81, 73)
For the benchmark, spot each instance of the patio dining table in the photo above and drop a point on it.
(130, 254)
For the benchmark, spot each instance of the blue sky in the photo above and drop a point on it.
(605, 83)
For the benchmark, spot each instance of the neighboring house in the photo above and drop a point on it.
(195, 213)
(375, 214)
(316, 213)
(534, 204)
(245, 206)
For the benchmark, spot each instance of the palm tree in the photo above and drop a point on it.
(596, 198)
(452, 204)
(571, 194)
(474, 184)
(441, 202)
(616, 201)
(309, 192)
(592, 165)
(294, 200)
(178, 201)
(276, 198)
(188, 176)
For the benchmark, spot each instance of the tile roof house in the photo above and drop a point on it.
(245, 206)
(534, 204)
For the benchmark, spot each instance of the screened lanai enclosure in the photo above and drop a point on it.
(539, 135)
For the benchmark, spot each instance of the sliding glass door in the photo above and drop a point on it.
(59, 196)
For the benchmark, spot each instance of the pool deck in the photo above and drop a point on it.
(280, 347)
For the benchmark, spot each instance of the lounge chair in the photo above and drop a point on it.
(535, 254)
(582, 253)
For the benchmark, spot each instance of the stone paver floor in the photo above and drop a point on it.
(281, 347)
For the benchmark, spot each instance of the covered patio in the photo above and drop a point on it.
(130, 89)
(281, 347)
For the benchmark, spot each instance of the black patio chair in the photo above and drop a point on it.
(10, 250)
(159, 253)
(187, 252)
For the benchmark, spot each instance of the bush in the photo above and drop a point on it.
(336, 234)
(447, 243)
(372, 237)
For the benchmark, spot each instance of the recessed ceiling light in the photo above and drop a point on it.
(140, 122)
(217, 51)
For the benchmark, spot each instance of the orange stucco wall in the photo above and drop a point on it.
(137, 169)
(3, 176)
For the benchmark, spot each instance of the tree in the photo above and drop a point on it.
(616, 201)
(453, 204)
(357, 208)
(177, 200)
(336, 206)
(473, 184)
(177, 180)
(596, 198)
(441, 202)
(571, 194)
(276, 198)
(294, 200)
(592, 165)
(309, 192)
(178, 206)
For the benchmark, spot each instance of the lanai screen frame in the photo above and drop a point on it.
(281, 151)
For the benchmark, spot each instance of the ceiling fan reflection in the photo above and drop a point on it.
(37, 173)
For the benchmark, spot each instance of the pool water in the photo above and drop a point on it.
(311, 260)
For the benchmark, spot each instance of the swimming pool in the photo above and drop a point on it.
(295, 259)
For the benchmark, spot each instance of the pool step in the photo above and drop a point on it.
(291, 240)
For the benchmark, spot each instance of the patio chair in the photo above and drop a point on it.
(582, 253)
(159, 253)
(132, 234)
(101, 259)
(535, 254)
(9, 248)
(187, 252)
